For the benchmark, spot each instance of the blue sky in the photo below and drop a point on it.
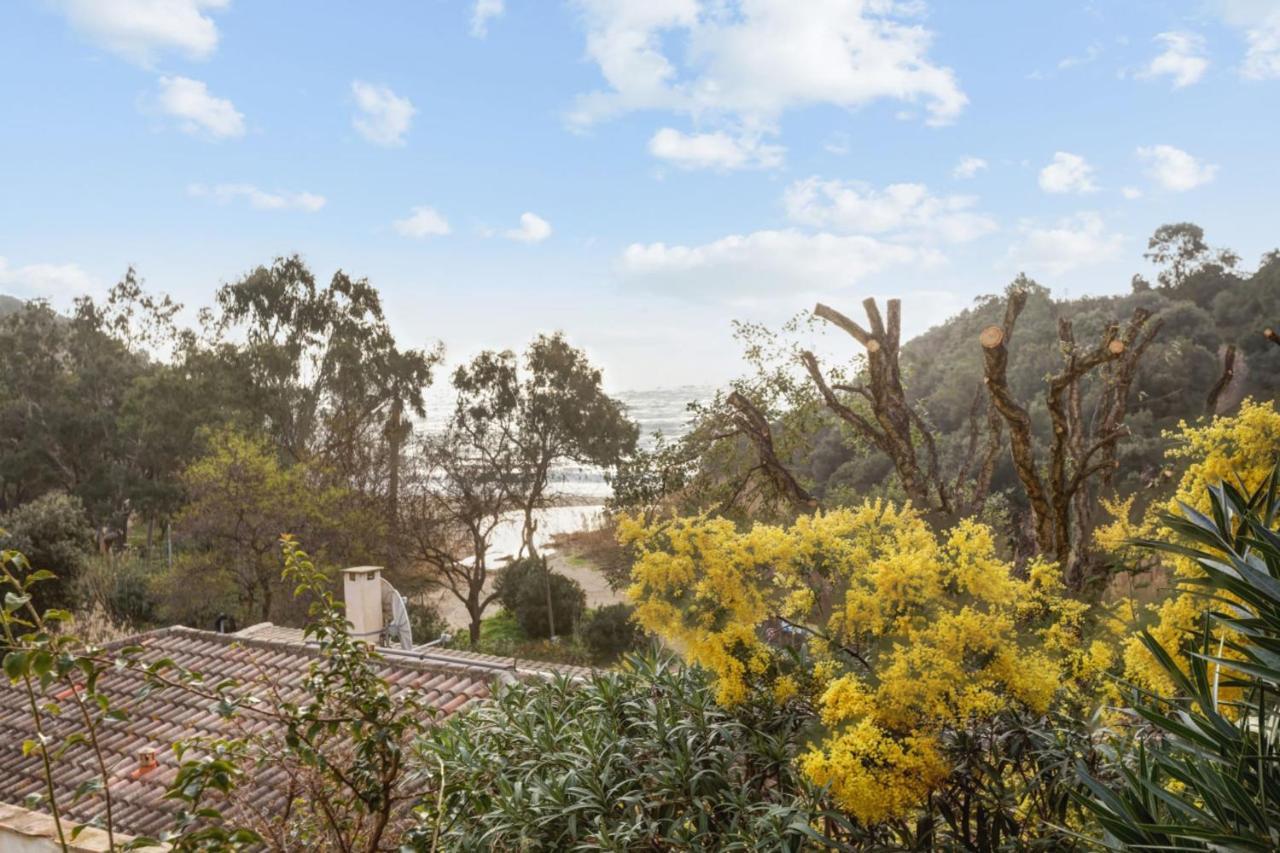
(634, 172)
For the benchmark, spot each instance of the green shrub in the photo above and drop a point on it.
(54, 533)
(425, 622)
(609, 632)
(1201, 769)
(522, 588)
(121, 586)
(641, 759)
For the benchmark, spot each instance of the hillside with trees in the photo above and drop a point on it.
(922, 419)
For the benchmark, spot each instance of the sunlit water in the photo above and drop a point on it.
(658, 410)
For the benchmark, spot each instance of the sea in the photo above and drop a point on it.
(581, 490)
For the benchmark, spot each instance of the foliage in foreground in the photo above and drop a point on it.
(899, 639)
(343, 745)
(1205, 770)
(1238, 449)
(640, 759)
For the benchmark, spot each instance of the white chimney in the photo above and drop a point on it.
(362, 591)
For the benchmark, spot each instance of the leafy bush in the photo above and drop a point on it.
(194, 593)
(55, 535)
(903, 642)
(522, 588)
(642, 759)
(1202, 773)
(121, 587)
(425, 622)
(609, 632)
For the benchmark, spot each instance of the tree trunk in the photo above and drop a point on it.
(894, 416)
(755, 426)
(1021, 447)
(266, 599)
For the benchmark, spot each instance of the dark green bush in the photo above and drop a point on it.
(55, 534)
(609, 632)
(425, 621)
(641, 759)
(522, 589)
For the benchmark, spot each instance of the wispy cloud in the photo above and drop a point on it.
(968, 167)
(422, 222)
(533, 229)
(1078, 241)
(718, 151)
(197, 110)
(483, 11)
(1067, 173)
(258, 198)
(1175, 169)
(382, 116)
(45, 281)
(1183, 59)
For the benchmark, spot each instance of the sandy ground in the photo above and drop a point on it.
(593, 584)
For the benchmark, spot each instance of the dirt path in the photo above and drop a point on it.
(592, 581)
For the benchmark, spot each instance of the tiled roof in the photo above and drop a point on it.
(521, 668)
(162, 716)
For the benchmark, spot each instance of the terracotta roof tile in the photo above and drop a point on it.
(161, 716)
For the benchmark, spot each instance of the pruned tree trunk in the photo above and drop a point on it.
(898, 428)
(1061, 506)
(1271, 335)
(1224, 381)
(755, 426)
(995, 352)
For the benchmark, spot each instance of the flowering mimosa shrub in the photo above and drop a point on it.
(892, 634)
(1241, 449)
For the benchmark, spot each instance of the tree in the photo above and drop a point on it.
(466, 479)
(323, 373)
(54, 534)
(1080, 449)
(1181, 249)
(901, 640)
(898, 427)
(559, 410)
(241, 499)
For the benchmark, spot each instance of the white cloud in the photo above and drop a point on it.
(1068, 173)
(906, 211)
(257, 198)
(422, 222)
(1259, 21)
(837, 143)
(718, 151)
(751, 60)
(1131, 193)
(1182, 60)
(533, 229)
(481, 13)
(45, 281)
(766, 262)
(1090, 55)
(1175, 169)
(384, 117)
(198, 111)
(139, 30)
(1262, 59)
(968, 167)
(1077, 241)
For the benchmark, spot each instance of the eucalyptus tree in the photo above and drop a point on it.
(559, 413)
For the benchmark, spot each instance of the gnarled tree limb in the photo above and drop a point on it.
(896, 423)
(755, 426)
